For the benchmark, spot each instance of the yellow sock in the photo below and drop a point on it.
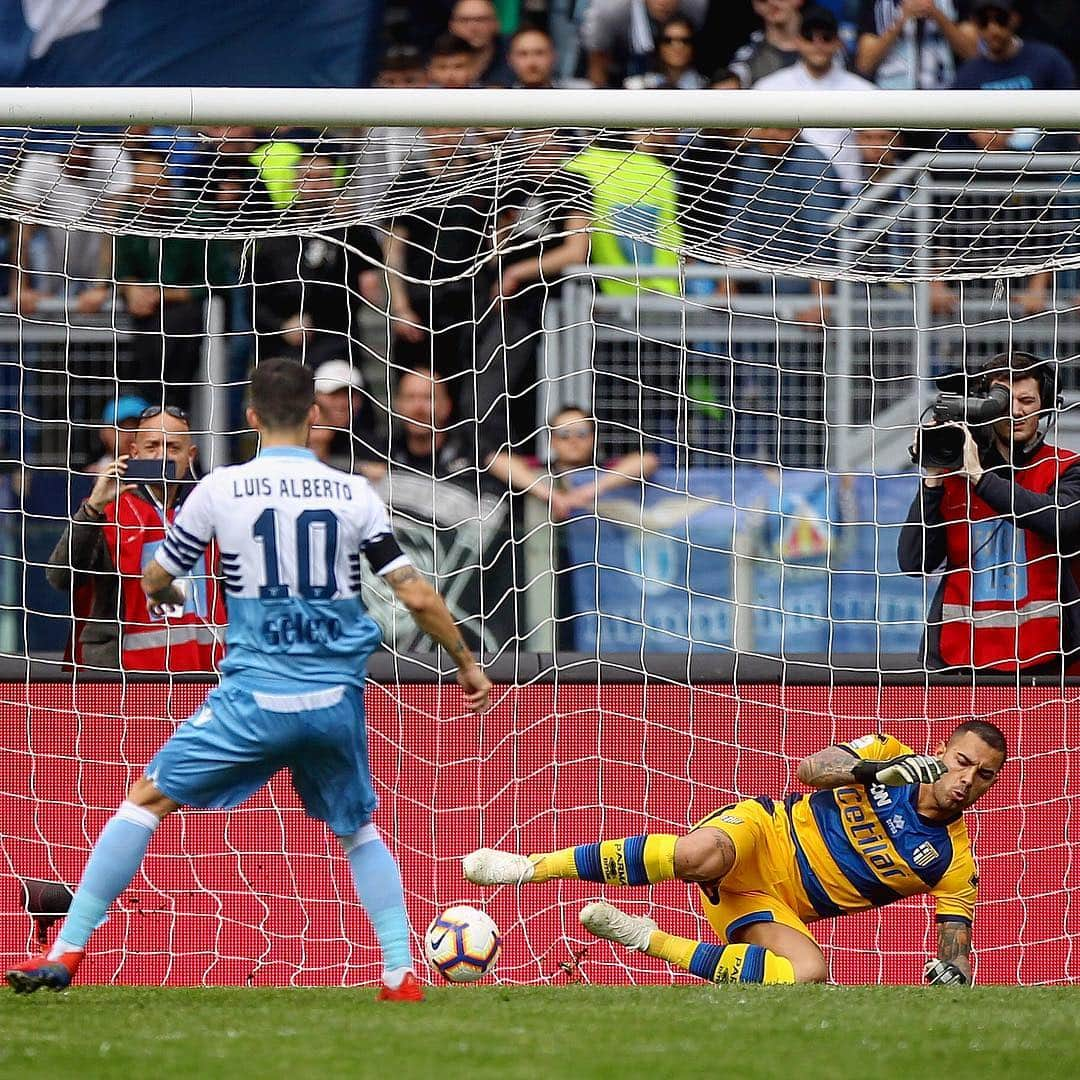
(722, 963)
(632, 860)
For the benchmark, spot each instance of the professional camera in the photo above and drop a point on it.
(940, 445)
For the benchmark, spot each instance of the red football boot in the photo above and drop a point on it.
(409, 990)
(36, 972)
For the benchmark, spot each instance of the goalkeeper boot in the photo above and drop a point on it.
(607, 921)
(39, 971)
(486, 866)
(409, 989)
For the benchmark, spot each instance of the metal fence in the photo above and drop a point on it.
(741, 376)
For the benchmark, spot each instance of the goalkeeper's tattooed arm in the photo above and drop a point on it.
(952, 965)
(431, 614)
(828, 768)
(835, 766)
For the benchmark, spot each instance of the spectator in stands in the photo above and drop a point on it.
(451, 63)
(79, 183)
(543, 229)
(575, 477)
(1003, 528)
(1008, 62)
(774, 47)
(119, 422)
(423, 440)
(401, 68)
(433, 253)
(633, 212)
(225, 163)
(674, 65)
(477, 22)
(344, 437)
(784, 198)
(911, 44)
(620, 36)
(819, 47)
(100, 557)
(532, 60)
(165, 283)
(1056, 21)
(307, 286)
(882, 151)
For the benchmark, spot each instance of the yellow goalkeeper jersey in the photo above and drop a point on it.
(857, 847)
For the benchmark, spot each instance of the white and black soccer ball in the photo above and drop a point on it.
(462, 944)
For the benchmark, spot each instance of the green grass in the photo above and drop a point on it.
(799, 1033)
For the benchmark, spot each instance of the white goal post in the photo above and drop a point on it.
(1051, 110)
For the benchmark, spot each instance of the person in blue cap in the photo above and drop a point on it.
(119, 422)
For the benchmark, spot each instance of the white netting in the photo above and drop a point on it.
(748, 336)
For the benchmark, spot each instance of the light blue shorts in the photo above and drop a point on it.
(233, 745)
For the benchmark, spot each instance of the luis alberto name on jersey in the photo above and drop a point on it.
(291, 532)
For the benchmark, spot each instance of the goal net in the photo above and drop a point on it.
(640, 400)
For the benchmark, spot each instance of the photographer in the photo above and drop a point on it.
(1002, 522)
(101, 556)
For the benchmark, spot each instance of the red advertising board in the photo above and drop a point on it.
(262, 895)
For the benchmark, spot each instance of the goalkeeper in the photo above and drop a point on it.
(885, 823)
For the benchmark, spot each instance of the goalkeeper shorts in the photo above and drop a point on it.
(761, 887)
(230, 748)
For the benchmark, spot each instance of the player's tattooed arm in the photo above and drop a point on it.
(828, 768)
(431, 614)
(160, 587)
(954, 945)
(952, 965)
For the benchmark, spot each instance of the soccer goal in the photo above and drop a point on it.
(637, 374)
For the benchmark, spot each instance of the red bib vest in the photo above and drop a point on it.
(191, 641)
(1001, 602)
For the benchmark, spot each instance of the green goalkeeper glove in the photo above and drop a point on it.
(942, 973)
(900, 771)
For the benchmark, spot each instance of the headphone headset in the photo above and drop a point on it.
(1022, 365)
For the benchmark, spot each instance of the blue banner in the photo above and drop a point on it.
(655, 570)
(195, 43)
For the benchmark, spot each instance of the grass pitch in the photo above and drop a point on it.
(578, 1031)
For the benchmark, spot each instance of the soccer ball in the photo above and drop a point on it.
(462, 944)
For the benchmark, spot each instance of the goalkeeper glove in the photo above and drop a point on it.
(942, 973)
(900, 771)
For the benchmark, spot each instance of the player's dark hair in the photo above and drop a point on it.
(282, 393)
(990, 734)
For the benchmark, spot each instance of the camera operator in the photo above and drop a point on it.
(102, 553)
(1002, 523)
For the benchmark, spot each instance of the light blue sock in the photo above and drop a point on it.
(378, 886)
(114, 861)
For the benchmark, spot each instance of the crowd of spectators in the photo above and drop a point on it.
(460, 285)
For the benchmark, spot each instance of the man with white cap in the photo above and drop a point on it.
(344, 436)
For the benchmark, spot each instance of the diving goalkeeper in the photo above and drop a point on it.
(885, 823)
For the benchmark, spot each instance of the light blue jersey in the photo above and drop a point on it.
(291, 532)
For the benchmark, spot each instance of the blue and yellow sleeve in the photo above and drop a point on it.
(957, 891)
(875, 747)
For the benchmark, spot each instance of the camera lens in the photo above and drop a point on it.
(940, 447)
